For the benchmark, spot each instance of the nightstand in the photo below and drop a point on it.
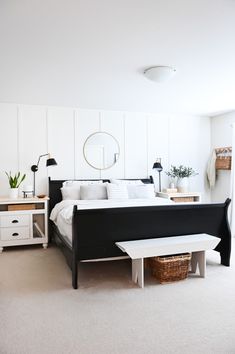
(188, 197)
(23, 221)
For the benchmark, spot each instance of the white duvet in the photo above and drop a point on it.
(62, 213)
(65, 208)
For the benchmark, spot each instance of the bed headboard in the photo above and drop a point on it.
(55, 192)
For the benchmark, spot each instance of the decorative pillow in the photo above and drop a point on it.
(93, 191)
(126, 181)
(70, 193)
(144, 191)
(116, 191)
(80, 183)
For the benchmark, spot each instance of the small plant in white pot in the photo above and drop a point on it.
(14, 182)
(182, 174)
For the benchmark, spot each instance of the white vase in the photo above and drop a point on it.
(13, 193)
(183, 185)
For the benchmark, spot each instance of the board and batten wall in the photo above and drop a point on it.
(221, 136)
(28, 131)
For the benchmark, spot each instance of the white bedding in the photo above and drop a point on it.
(62, 213)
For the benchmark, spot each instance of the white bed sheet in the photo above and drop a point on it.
(64, 228)
(62, 213)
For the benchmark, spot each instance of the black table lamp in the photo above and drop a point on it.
(34, 168)
(158, 167)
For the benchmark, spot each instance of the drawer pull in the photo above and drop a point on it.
(14, 221)
(15, 234)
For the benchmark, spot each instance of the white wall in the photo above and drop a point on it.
(29, 131)
(221, 136)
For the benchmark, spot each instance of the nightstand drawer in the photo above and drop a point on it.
(14, 220)
(14, 233)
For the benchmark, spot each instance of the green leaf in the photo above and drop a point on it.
(16, 180)
(181, 172)
(21, 180)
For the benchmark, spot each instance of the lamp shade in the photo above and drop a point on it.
(160, 73)
(157, 166)
(51, 162)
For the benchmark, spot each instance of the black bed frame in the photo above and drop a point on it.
(95, 231)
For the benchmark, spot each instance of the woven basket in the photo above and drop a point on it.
(168, 269)
(223, 163)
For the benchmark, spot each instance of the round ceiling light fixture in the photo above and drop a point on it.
(160, 73)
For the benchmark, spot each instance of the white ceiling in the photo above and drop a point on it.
(91, 54)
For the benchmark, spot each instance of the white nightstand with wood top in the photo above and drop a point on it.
(23, 221)
(188, 197)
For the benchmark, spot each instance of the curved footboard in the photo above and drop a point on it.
(95, 231)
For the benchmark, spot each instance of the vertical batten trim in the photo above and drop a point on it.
(74, 143)
(168, 142)
(100, 126)
(100, 172)
(147, 144)
(18, 136)
(47, 132)
(47, 144)
(124, 143)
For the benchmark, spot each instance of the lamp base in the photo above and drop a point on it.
(34, 168)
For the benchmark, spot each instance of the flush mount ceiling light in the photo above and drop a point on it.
(160, 73)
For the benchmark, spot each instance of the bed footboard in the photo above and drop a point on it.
(95, 231)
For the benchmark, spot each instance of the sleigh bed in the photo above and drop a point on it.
(94, 231)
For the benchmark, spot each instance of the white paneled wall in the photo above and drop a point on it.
(136, 157)
(113, 123)
(221, 136)
(9, 160)
(86, 123)
(60, 123)
(190, 143)
(158, 144)
(29, 131)
(33, 143)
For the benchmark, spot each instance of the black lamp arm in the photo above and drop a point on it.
(34, 168)
(40, 158)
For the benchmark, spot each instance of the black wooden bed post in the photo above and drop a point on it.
(225, 252)
(74, 250)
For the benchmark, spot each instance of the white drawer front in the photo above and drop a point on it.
(13, 233)
(14, 220)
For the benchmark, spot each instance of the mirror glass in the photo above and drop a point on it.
(101, 150)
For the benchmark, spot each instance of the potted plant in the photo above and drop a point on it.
(182, 174)
(14, 182)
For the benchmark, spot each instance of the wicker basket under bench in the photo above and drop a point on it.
(167, 269)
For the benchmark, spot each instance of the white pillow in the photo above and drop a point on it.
(126, 181)
(80, 183)
(116, 191)
(144, 191)
(69, 193)
(93, 192)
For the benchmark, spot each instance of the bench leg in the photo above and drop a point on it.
(199, 258)
(202, 263)
(138, 271)
(194, 262)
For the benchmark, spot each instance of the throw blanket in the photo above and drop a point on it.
(211, 171)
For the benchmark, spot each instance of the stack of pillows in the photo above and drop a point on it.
(117, 189)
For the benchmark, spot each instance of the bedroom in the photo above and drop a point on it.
(69, 70)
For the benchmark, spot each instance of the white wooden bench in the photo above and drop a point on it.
(195, 244)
